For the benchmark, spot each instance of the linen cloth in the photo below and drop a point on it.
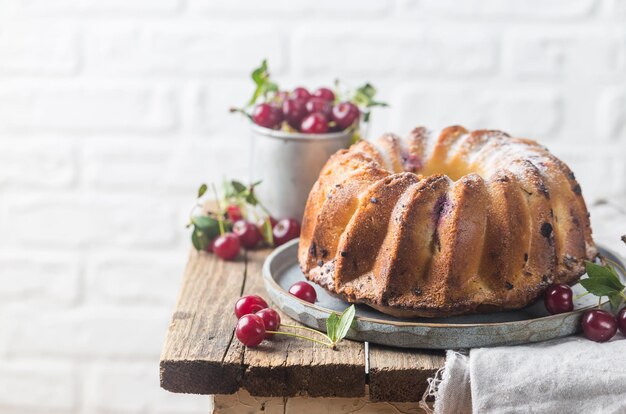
(566, 375)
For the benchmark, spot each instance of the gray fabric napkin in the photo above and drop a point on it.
(567, 375)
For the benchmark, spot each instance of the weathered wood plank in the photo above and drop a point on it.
(288, 366)
(400, 374)
(202, 327)
(243, 402)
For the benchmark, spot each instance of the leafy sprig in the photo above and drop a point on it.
(364, 98)
(337, 327)
(603, 280)
(207, 226)
(264, 84)
(237, 193)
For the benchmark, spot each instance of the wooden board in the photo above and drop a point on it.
(201, 355)
(400, 374)
(243, 402)
(195, 358)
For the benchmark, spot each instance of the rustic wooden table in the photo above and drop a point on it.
(201, 355)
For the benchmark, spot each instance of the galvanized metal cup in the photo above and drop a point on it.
(288, 164)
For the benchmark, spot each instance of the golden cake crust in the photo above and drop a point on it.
(444, 224)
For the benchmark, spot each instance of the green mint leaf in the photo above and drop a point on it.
(238, 187)
(345, 322)
(606, 274)
(332, 323)
(202, 190)
(207, 225)
(254, 184)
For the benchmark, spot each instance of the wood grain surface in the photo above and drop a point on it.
(202, 356)
(401, 374)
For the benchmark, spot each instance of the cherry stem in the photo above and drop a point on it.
(581, 295)
(268, 225)
(192, 210)
(220, 213)
(306, 329)
(328, 344)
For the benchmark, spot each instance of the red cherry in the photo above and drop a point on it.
(300, 93)
(250, 330)
(599, 325)
(345, 114)
(249, 304)
(211, 246)
(294, 111)
(319, 105)
(267, 116)
(621, 321)
(271, 320)
(304, 291)
(316, 123)
(285, 230)
(233, 212)
(324, 93)
(248, 234)
(558, 299)
(227, 246)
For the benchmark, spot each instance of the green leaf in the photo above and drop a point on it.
(332, 323)
(200, 239)
(207, 225)
(598, 286)
(202, 190)
(251, 199)
(345, 322)
(259, 73)
(616, 301)
(364, 96)
(261, 78)
(238, 187)
(606, 274)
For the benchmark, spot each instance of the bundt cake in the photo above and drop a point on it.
(444, 224)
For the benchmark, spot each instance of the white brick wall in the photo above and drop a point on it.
(112, 111)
